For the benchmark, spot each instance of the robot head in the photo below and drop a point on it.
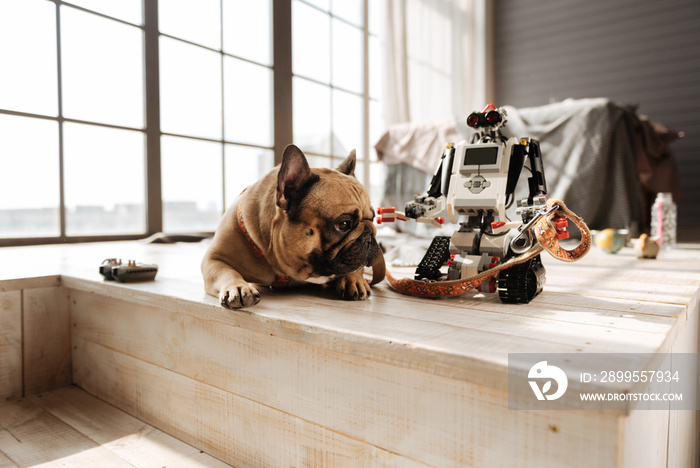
(490, 117)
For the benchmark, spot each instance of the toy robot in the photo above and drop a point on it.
(473, 186)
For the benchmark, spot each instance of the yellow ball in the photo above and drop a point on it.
(609, 240)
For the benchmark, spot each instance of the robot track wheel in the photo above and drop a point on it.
(520, 283)
(435, 257)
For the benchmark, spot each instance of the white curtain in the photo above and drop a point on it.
(437, 65)
(437, 59)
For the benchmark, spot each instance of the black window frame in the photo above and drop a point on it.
(282, 78)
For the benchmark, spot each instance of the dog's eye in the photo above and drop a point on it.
(343, 226)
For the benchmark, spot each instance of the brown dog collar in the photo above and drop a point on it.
(281, 280)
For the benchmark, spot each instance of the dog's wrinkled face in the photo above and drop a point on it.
(325, 225)
(341, 233)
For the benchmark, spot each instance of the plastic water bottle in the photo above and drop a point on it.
(663, 220)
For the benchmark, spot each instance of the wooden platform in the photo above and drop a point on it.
(305, 379)
(69, 428)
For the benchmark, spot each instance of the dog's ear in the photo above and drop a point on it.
(294, 177)
(347, 167)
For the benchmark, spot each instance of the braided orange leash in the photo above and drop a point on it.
(546, 235)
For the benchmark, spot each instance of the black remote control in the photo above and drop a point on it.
(113, 269)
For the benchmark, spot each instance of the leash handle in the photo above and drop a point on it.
(525, 227)
(546, 234)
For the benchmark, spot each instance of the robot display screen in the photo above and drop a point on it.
(480, 156)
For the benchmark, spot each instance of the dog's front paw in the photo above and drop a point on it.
(239, 295)
(353, 287)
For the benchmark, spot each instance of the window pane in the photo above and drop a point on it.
(29, 192)
(190, 93)
(375, 68)
(376, 16)
(312, 111)
(126, 10)
(198, 22)
(322, 4)
(347, 124)
(192, 184)
(377, 176)
(321, 161)
(244, 166)
(247, 102)
(28, 57)
(376, 127)
(347, 57)
(310, 42)
(349, 10)
(247, 29)
(360, 172)
(102, 66)
(105, 186)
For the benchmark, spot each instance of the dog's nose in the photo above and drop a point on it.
(369, 245)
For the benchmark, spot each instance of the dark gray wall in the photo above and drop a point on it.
(644, 52)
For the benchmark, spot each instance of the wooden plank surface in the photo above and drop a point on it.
(68, 427)
(132, 440)
(6, 462)
(475, 355)
(355, 368)
(426, 417)
(232, 428)
(565, 318)
(454, 332)
(9, 283)
(29, 436)
(684, 426)
(10, 345)
(643, 440)
(642, 432)
(46, 337)
(672, 278)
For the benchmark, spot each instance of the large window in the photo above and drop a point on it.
(122, 118)
(216, 106)
(72, 158)
(336, 86)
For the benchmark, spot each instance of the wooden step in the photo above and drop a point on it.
(68, 427)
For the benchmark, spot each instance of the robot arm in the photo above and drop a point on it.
(424, 206)
(433, 204)
(440, 183)
(530, 149)
(429, 208)
(536, 183)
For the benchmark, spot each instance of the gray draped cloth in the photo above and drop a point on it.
(588, 150)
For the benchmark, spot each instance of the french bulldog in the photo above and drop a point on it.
(296, 225)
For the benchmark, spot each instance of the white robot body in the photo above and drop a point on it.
(465, 266)
(479, 177)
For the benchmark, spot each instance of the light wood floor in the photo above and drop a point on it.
(70, 428)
